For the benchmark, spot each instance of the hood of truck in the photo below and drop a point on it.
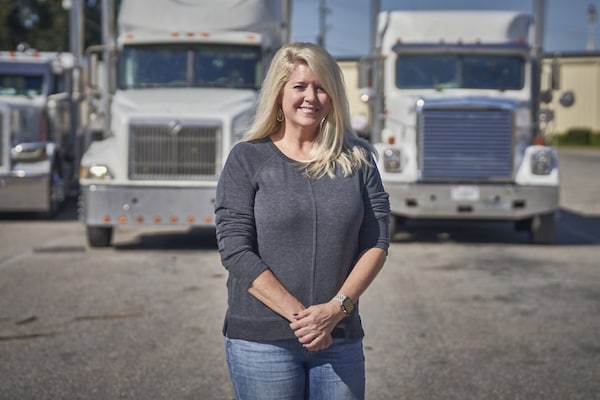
(402, 109)
(449, 101)
(23, 101)
(191, 102)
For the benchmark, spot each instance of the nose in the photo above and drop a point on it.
(311, 93)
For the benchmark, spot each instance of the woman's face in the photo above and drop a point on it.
(304, 101)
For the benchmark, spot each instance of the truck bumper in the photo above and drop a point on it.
(485, 202)
(106, 205)
(25, 193)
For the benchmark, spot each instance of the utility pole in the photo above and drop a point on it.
(76, 45)
(322, 23)
(591, 39)
(539, 15)
(374, 13)
(377, 75)
(108, 40)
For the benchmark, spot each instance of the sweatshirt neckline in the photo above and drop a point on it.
(282, 154)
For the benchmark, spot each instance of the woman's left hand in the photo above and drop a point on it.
(313, 325)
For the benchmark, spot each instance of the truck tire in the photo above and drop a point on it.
(396, 225)
(99, 236)
(393, 225)
(541, 229)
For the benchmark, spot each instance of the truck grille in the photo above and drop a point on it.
(461, 144)
(160, 151)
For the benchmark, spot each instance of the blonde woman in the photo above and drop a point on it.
(302, 228)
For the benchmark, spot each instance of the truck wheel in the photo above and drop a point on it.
(99, 236)
(541, 230)
(523, 224)
(396, 224)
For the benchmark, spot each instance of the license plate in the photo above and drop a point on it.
(464, 193)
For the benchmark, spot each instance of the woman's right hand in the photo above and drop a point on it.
(313, 325)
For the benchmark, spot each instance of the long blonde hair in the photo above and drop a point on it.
(335, 145)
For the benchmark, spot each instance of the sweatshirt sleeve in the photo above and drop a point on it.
(375, 228)
(234, 209)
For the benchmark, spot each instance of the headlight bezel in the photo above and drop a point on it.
(542, 161)
(95, 171)
(392, 160)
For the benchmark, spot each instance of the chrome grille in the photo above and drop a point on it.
(157, 151)
(459, 144)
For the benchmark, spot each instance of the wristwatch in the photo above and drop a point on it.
(345, 303)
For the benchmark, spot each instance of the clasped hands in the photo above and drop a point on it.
(313, 325)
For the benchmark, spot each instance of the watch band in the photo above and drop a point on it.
(345, 303)
(340, 297)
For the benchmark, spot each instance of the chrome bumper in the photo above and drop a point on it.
(105, 205)
(27, 193)
(493, 201)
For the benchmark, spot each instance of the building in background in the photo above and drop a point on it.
(579, 73)
(359, 110)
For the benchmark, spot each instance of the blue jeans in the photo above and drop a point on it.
(284, 370)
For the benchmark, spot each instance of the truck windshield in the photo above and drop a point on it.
(446, 71)
(21, 85)
(197, 65)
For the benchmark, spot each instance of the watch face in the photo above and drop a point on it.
(347, 305)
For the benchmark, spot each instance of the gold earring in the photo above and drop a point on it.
(279, 116)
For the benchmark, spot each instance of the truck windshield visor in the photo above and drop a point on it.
(223, 66)
(21, 85)
(449, 71)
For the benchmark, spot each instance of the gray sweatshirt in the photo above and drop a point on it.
(308, 232)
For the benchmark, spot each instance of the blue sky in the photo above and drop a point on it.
(566, 25)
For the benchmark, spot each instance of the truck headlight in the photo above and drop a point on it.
(392, 160)
(29, 152)
(95, 171)
(542, 161)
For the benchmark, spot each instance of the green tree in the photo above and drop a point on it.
(44, 24)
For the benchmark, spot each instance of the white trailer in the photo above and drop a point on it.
(455, 105)
(38, 136)
(179, 87)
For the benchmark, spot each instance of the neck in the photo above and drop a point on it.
(297, 145)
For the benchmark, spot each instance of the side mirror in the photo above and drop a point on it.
(567, 99)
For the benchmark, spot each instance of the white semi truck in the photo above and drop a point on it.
(455, 107)
(38, 134)
(173, 93)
